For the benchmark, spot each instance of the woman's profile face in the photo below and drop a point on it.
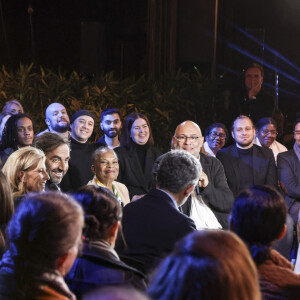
(139, 131)
(106, 167)
(35, 179)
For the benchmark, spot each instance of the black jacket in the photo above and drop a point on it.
(97, 266)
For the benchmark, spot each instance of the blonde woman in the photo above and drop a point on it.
(105, 166)
(26, 172)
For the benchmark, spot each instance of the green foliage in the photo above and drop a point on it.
(167, 101)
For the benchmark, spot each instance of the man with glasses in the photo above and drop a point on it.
(215, 138)
(212, 192)
(288, 167)
(246, 164)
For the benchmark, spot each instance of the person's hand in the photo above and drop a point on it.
(203, 181)
(254, 91)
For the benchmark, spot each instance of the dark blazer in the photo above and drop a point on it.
(217, 194)
(137, 181)
(288, 168)
(96, 267)
(151, 226)
(264, 171)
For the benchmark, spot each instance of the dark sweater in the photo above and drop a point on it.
(79, 173)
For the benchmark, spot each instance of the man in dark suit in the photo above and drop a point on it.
(153, 224)
(246, 164)
(288, 166)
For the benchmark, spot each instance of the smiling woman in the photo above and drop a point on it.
(105, 166)
(26, 172)
(137, 155)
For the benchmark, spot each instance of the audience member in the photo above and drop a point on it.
(18, 132)
(57, 120)
(80, 173)
(252, 100)
(10, 108)
(99, 264)
(288, 167)
(116, 293)
(216, 136)
(244, 163)
(258, 217)
(105, 166)
(26, 172)
(44, 237)
(6, 209)
(208, 265)
(57, 152)
(153, 224)
(212, 192)
(266, 133)
(111, 126)
(137, 155)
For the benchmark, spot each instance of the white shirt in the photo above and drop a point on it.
(202, 215)
(208, 150)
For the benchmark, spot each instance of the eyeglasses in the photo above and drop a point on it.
(183, 138)
(296, 132)
(213, 135)
(266, 132)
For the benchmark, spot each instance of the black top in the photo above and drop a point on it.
(260, 107)
(246, 167)
(79, 173)
(137, 179)
(98, 265)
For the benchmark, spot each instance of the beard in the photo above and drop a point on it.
(112, 132)
(61, 128)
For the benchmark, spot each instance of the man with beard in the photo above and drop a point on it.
(247, 164)
(111, 125)
(57, 153)
(57, 120)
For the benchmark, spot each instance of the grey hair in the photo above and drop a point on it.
(99, 152)
(177, 170)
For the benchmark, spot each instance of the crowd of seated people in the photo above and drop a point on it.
(145, 224)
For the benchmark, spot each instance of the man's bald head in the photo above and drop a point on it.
(188, 137)
(57, 118)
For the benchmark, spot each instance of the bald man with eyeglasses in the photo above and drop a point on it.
(212, 190)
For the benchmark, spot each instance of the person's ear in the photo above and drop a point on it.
(93, 168)
(47, 122)
(232, 134)
(282, 233)
(201, 141)
(173, 143)
(22, 176)
(113, 232)
(60, 264)
(188, 190)
(101, 126)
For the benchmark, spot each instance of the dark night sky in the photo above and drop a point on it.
(57, 25)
